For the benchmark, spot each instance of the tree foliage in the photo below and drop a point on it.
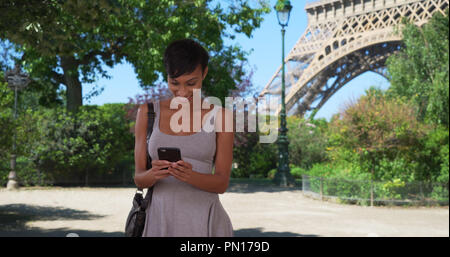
(420, 71)
(68, 42)
(307, 141)
(382, 135)
(6, 117)
(93, 142)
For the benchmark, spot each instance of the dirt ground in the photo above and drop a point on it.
(254, 211)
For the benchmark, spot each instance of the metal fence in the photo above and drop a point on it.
(376, 192)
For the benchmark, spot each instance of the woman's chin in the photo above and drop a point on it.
(180, 99)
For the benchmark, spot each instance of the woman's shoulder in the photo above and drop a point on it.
(142, 109)
(164, 104)
(145, 105)
(224, 119)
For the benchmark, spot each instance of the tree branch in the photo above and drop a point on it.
(58, 77)
(106, 54)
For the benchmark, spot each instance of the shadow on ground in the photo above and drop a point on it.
(239, 186)
(36, 232)
(14, 219)
(257, 232)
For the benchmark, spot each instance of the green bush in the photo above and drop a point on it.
(6, 120)
(297, 172)
(271, 174)
(307, 141)
(253, 158)
(90, 144)
(385, 138)
(444, 172)
(54, 147)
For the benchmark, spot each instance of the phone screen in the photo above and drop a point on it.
(171, 154)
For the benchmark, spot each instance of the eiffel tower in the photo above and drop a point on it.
(343, 39)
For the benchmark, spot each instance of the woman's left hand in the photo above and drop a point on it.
(181, 170)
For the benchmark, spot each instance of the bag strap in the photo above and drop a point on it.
(150, 121)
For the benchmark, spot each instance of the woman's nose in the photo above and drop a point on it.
(182, 93)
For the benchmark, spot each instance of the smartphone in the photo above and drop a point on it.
(171, 154)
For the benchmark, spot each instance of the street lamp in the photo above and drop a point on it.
(283, 177)
(16, 81)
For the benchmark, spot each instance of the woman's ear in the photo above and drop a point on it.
(205, 72)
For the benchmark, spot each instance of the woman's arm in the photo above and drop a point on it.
(141, 178)
(217, 182)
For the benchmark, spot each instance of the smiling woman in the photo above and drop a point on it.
(185, 198)
(186, 64)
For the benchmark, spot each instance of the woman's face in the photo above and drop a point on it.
(185, 84)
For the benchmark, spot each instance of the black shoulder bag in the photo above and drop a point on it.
(136, 218)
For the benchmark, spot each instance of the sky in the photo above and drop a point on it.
(265, 58)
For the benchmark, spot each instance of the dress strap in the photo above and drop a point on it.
(157, 113)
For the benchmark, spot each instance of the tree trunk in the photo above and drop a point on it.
(72, 82)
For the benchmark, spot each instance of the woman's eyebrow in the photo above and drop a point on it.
(194, 78)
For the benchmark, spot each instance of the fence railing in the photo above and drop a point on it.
(376, 192)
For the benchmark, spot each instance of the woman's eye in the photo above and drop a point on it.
(191, 84)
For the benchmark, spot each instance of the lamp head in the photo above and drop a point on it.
(16, 79)
(283, 8)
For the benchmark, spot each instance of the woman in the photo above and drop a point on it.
(185, 196)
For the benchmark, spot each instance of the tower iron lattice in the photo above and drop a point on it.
(343, 39)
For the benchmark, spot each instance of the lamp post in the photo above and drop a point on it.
(283, 177)
(16, 81)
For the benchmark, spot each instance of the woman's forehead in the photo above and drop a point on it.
(196, 74)
(186, 78)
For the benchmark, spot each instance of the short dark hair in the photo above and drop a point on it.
(183, 56)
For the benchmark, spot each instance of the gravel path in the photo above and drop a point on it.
(254, 211)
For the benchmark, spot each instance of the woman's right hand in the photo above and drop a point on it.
(157, 171)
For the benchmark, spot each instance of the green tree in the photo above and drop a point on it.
(6, 117)
(420, 71)
(379, 129)
(252, 157)
(307, 141)
(67, 42)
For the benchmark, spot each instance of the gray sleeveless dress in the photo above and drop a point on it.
(179, 209)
